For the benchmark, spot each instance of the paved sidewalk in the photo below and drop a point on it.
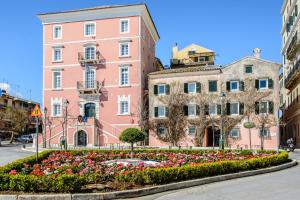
(11, 152)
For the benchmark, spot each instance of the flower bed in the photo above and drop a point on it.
(68, 171)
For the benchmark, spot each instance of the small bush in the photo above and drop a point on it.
(132, 135)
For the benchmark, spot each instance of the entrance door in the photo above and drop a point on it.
(81, 138)
(213, 137)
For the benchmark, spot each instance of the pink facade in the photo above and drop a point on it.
(97, 59)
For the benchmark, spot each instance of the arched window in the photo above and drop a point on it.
(89, 110)
(80, 138)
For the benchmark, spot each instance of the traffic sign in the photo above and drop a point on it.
(36, 111)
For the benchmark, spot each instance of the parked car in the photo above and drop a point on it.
(25, 139)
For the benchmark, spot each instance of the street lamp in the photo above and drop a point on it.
(66, 103)
(222, 96)
(45, 121)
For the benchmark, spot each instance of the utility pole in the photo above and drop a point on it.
(45, 127)
(66, 123)
(222, 95)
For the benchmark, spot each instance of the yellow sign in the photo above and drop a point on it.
(36, 111)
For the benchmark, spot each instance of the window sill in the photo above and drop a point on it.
(57, 89)
(89, 35)
(124, 86)
(124, 56)
(57, 61)
(57, 116)
(123, 114)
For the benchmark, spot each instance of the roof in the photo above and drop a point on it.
(252, 57)
(188, 69)
(198, 47)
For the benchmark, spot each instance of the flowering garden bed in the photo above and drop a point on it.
(69, 171)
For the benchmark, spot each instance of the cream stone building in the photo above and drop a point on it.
(214, 79)
(291, 68)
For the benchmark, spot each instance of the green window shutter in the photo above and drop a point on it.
(219, 109)
(185, 87)
(186, 110)
(296, 10)
(257, 84)
(270, 83)
(167, 111)
(228, 109)
(271, 107)
(241, 109)
(167, 89)
(256, 108)
(242, 86)
(198, 87)
(228, 85)
(155, 89)
(197, 110)
(155, 111)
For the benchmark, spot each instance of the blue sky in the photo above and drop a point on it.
(232, 28)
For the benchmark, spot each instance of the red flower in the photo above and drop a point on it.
(13, 172)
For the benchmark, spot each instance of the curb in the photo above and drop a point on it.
(148, 190)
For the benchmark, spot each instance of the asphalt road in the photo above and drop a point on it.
(274, 186)
(9, 153)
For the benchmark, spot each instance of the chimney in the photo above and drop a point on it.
(256, 52)
(175, 51)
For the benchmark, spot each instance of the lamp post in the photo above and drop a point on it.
(66, 103)
(222, 96)
(45, 125)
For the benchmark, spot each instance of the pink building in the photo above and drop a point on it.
(95, 64)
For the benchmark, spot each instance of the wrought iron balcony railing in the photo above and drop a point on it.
(89, 58)
(293, 75)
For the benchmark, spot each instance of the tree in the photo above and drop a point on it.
(175, 121)
(132, 135)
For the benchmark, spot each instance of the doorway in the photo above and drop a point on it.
(213, 137)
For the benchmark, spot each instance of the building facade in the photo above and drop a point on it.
(291, 67)
(94, 67)
(211, 80)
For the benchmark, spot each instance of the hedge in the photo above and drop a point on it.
(72, 183)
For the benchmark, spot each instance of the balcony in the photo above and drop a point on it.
(293, 47)
(90, 59)
(88, 87)
(293, 76)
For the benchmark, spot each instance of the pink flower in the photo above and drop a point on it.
(13, 172)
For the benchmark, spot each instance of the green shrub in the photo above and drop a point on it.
(132, 135)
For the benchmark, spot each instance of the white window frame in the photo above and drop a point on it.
(267, 84)
(89, 23)
(192, 83)
(128, 25)
(163, 108)
(121, 99)
(195, 110)
(161, 85)
(56, 101)
(260, 104)
(238, 133)
(120, 75)
(54, 29)
(238, 108)
(120, 49)
(194, 134)
(234, 90)
(215, 109)
(53, 54)
(85, 77)
(95, 52)
(268, 132)
(54, 80)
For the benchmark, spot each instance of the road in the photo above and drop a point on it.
(274, 186)
(9, 153)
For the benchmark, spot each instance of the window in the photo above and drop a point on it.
(57, 79)
(124, 76)
(56, 110)
(90, 53)
(57, 32)
(248, 69)
(161, 111)
(124, 25)
(212, 86)
(57, 54)
(89, 110)
(90, 79)
(263, 84)
(264, 132)
(235, 133)
(191, 110)
(162, 89)
(191, 87)
(263, 107)
(124, 49)
(124, 107)
(212, 109)
(234, 86)
(90, 29)
(161, 131)
(192, 130)
(234, 108)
